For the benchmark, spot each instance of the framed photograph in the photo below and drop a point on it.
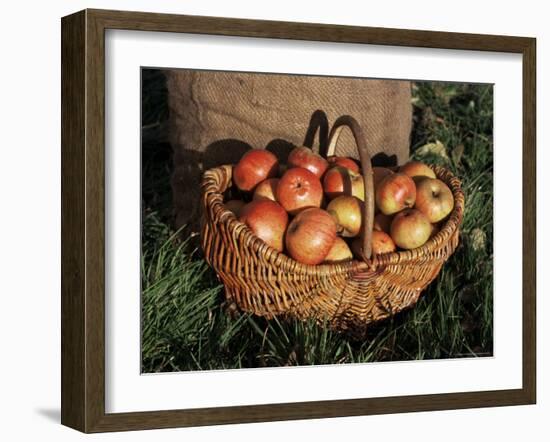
(267, 221)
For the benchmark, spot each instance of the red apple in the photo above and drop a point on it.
(267, 220)
(394, 193)
(266, 189)
(382, 243)
(346, 162)
(418, 170)
(298, 189)
(347, 213)
(304, 157)
(410, 229)
(310, 236)
(342, 181)
(382, 222)
(434, 199)
(378, 174)
(254, 166)
(339, 252)
(234, 206)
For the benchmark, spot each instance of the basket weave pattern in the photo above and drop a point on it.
(348, 295)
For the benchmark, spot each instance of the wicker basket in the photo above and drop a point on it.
(347, 296)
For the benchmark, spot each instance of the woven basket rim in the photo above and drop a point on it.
(213, 190)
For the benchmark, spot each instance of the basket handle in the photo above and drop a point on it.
(368, 207)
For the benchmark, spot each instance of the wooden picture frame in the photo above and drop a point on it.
(83, 216)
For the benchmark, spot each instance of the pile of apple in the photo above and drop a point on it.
(311, 208)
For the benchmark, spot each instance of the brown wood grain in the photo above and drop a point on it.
(529, 221)
(83, 220)
(95, 221)
(73, 253)
(146, 21)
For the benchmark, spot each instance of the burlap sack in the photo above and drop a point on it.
(217, 116)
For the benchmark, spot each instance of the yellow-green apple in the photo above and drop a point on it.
(417, 170)
(254, 166)
(342, 181)
(266, 189)
(310, 236)
(382, 222)
(434, 199)
(346, 162)
(305, 157)
(382, 243)
(299, 189)
(394, 193)
(347, 213)
(339, 252)
(235, 206)
(267, 220)
(410, 229)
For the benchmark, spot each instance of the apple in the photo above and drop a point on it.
(378, 174)
(267, 220)
(266, 189)
(235, 206)
(394, 193)
(346, 162)
(410, 229)
(382, 243)
(417, 170)
(339, 252)
(342, 181)
(298, 189)
(304, 157)
(434, 199)
(254, 166)
(347, 213)
(382, 222)
(310, 236)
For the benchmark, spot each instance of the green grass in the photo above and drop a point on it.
(187, 325)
